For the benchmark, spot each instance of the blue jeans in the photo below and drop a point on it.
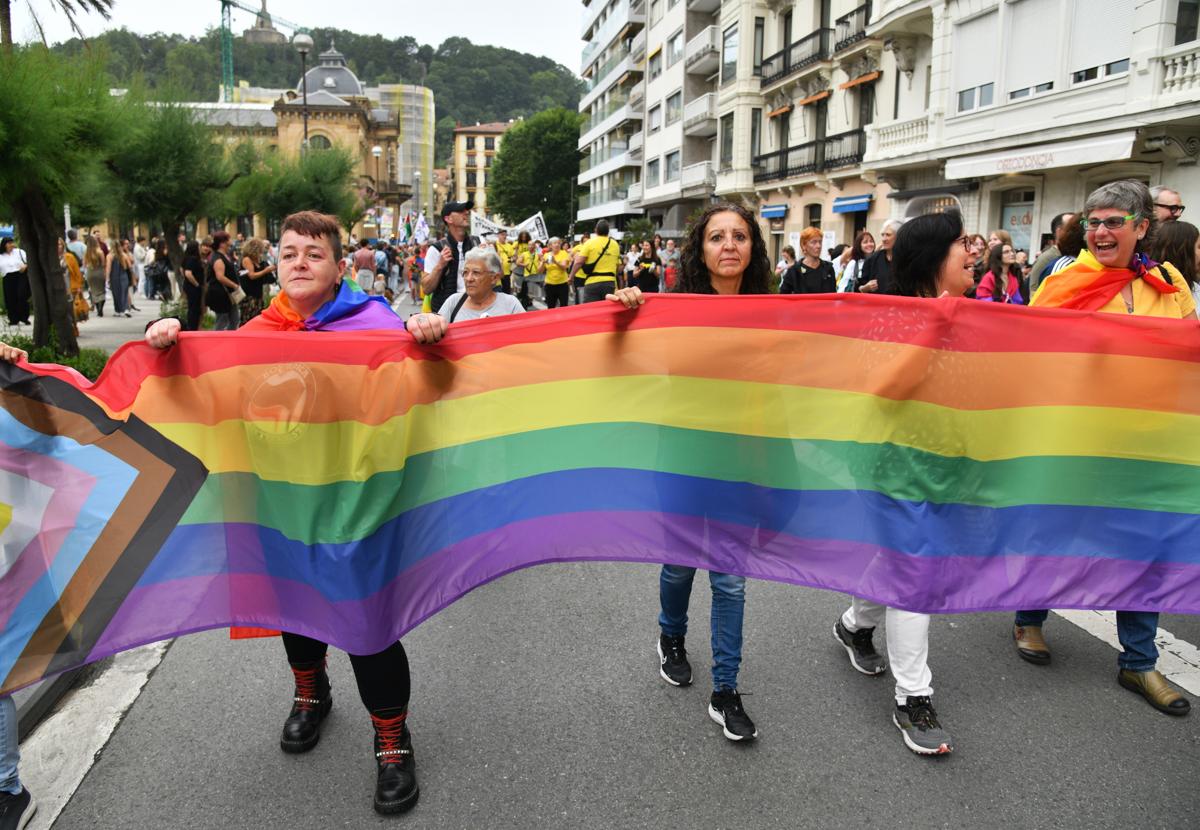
(728, 605)
(1135, 630)
(9, 755)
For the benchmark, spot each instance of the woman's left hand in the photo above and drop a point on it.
(12, 354)
(629, 297)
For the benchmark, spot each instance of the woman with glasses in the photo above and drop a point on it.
(932, 257)
(1115, 275)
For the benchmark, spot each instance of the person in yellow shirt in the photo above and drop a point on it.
(599, 259)
(531, 261)
(555, 263)
(577, 281)
(506, 250)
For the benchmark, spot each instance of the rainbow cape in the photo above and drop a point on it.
(940, 456)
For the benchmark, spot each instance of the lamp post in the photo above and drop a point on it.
(417, 193)
(377, 152)
(304, 44)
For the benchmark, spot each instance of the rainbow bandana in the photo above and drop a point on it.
(935, 455)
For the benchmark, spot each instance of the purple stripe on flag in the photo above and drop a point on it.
(71, 487)
(963, 584)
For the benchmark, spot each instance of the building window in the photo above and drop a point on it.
(755, 133)
(672, 171)
(674, 108)
(470, 142)
(487, 161)
(1186, 20)
(652, 174)
(727, 141)
(655, 118)
(656, 64)
(1029, 91)
(760, 28)
(866, 104)
(274, 229)
(472, 179)
(1100, 42)
(656, 11)
(245, 225)
(975, 97)
(675, 48)
(1093, 73)
(319, 142)
(729, 51)
(489, 143)
(215, 224)
(813, 214)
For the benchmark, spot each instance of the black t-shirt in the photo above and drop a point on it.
(196, 267)
(253, 288)
(879, 268)
(647, 278)
(217, 294)
(801, 279)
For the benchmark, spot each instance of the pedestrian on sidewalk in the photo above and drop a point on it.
(119, 267)
(142, 256)
(220, 283)
(94, 272)
(15, 270)
(724, 254)
(315, 297)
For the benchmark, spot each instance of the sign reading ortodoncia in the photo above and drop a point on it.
(483, 227)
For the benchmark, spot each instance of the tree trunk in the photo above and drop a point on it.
(47, 278)
(6, 25)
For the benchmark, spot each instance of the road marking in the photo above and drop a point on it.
(59, 753)
(1178, 659)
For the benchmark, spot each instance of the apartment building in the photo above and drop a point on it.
(612, 106)
(1014, 111)
(475, 149)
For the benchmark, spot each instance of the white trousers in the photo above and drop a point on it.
(907, 644)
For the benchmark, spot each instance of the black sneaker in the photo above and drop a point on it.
(919, 726)
(860, 649)
(673, 663)
(16, 810)
(725, 707)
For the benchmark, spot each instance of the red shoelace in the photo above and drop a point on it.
(306, 688)
(390, 731)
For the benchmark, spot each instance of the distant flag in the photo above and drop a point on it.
(421, 233)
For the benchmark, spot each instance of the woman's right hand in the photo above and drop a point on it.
(163, 333)
(628, 297)
(12, 354)
(870, 287)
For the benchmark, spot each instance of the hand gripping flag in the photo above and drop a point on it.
(939, 456)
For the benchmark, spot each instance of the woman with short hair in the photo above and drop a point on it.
(877, 269)
(481, 271)
(810, 274)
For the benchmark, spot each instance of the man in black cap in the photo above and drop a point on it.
(444, 260)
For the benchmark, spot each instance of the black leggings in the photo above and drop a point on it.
(383, 681)
(557, 295)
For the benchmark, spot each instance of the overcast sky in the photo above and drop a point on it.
(540, 27)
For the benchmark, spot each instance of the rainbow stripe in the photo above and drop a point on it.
(939, 456)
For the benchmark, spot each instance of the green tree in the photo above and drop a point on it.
(69, 8)
(57, 122)
(638, 231)
(535, 169)
(321, 180)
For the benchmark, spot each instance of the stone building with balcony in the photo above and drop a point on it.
(1013, 111)
(610, 137)
(475, 147)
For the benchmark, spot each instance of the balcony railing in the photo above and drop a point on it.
(700, 110)
(852, 27)
(614, 150)
(603, 197)
(602, 71)
(636, 141)
(599, 115)
(703, 49)
(804, 52)
(698, 175)
(830, 153)
(901, 135)
(635, 192)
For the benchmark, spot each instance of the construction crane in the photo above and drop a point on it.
(227, 7)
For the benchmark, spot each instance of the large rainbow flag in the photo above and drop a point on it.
(941, 456)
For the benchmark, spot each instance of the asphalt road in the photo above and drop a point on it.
(537, 703)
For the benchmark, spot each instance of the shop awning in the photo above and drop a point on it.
(852, 204)
(812, 99)
(774, 211)
(861, 79)
(780, 111)
(1091, 150)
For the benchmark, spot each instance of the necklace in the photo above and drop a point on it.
(1128, 305)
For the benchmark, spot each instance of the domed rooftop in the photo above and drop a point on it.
(332, 75)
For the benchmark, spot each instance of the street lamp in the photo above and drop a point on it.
(304, 44)
(377, 151)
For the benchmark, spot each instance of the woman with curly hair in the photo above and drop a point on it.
(253, 277)
(724, 254)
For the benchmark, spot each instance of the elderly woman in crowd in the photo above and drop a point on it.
(315, 298)
(876, 276)
(724, 254)
(1114, 275)
(481, 272)
(932, 258)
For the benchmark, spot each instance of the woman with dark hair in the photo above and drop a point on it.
(193, 284)
(1069, 239)
(810, 274)
(1002, 283)
(220, 283)
(724, 254)
(931, 258)
(1115, 275)
(93, 272)
(120, 268)
(647, 268)
(863, 247)
(1179, 244)
(13, 267)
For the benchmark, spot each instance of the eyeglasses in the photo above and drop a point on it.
(965, 241)
(1113, 223)
(1175, 209)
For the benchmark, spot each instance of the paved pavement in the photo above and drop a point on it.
(537, 703)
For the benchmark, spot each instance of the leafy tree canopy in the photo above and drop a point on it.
(535, 169)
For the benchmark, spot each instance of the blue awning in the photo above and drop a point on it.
(774, 211)
(852, 204)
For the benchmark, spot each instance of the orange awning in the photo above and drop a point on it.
(780, 111)
(861, 79)
(812, 99)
